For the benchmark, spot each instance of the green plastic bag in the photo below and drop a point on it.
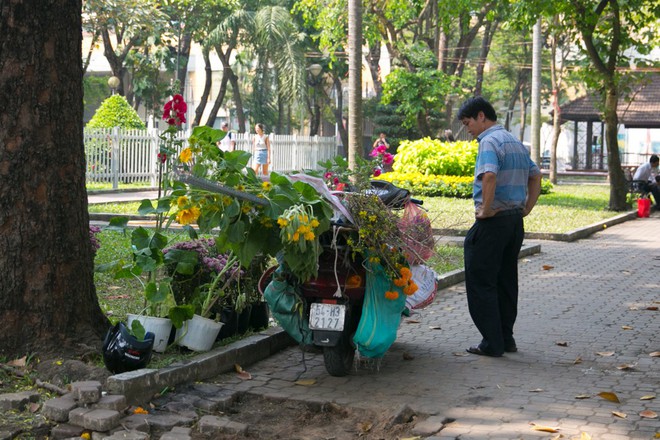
(286, 308)
(380, 316)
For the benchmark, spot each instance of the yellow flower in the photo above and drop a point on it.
(246, 208)
(296, 236)
(226, 200)
(314, 223)
(282, 222)
(266, 186)
(187, 216)
(391, 294)
(372, 218)
(182, 201)
(363, 214)
(240, 187)
(86, 435)
(186, 155)
(309, 236)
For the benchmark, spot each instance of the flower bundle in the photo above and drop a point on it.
(174, 111)
(299, 236)
(382, 158)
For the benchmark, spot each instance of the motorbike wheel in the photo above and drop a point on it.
(339, 358)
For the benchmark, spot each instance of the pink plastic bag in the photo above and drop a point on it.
(417, 232)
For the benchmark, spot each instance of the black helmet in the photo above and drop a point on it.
(124, 352)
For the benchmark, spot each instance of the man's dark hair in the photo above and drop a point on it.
(654, 158)
(472, 107)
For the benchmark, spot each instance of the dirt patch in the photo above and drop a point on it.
(269, 419)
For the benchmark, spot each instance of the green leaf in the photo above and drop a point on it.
(156, 293)
(236, 232)
(146, 207)
(146, 262)
(117, 224)
(179, 314)
(140, 238)
(192, 233)
(137, 330)
(163, 205)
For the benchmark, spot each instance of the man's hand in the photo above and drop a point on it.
(482, 213)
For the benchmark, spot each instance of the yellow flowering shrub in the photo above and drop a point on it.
(431, 185)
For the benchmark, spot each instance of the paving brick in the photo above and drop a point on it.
(213, 426)
(58, 409)
(128, 435)
(65, 430)
(114, 401)
(76, 416)
(101, 419)
(86, 391)
(17, 401)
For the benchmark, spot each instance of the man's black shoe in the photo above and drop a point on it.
(511, 348)
(476, 350)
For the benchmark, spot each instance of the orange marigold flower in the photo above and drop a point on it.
(140, 410)
(400, 282)
(410, 288)
(391, 294)
(186, 155)
(354, 281)
(405, 273)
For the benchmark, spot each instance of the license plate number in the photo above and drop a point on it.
(327, 316)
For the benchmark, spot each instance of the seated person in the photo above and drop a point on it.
(648, 173)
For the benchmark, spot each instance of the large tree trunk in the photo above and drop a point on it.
(47, 296)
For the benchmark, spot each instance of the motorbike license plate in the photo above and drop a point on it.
(327, 316)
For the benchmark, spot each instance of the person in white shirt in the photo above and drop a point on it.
(648, 173)
(261, 150)
(227, 143)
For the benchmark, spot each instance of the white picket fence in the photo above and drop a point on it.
(131, 156)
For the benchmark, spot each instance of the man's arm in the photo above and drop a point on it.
(533, 192)
(488, 184)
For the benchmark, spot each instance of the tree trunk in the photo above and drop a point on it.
(337, 110)
(489, 31)
(238, 100)
(47, 298)
(373, 59)
(355, 141)
(523, 115)
(182, 60)
(199, 111)
(618, 188)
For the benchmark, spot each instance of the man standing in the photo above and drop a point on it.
(648, 174)
(227, 143)
(507, 184)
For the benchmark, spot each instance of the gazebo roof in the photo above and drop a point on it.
(640, 108)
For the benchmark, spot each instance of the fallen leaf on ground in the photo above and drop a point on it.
(244, 375)
(547, 267)
(583, 396)
(584, 436)
(305, 382)
(412, 321)
(435, 327)
(407, 356)
(365, 427)
(537, 390)
(605, 353)
(648, 397)
(620, 414)
(653, 308)
(238, 368)
(562, 343)
(460, 353)
(648, 414)
(626, 327)
(21, 362)
(626, 367)
(34, 407)
(655, 354)
(607, 395)
(536, 427)
(578, 360)
(118, 297)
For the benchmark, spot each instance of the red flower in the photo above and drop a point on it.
(174, 111)
(377, 172)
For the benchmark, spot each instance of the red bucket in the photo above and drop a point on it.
(643, 207)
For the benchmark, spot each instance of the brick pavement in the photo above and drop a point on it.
(593, 300)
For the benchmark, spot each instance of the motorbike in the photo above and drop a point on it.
(332, 302)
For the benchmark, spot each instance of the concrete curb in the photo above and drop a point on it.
(140, 386)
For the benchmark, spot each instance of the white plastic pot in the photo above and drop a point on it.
(198, 333)
(160, 327)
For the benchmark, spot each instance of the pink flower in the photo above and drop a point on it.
(335, 180)
(377, 172)
(327, 175)
(388, 158)
(374, 152)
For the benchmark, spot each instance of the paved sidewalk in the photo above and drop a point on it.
(585, 314)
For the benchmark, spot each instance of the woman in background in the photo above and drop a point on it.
(261, 150)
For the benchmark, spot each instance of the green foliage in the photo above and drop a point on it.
(431, 186)
(388, 121)
(428, 156)
(95, 90)
(116, 112)
(546, 186)
(417, 93)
